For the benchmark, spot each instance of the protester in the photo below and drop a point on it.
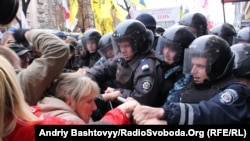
(23, 54)
(52, 55)
(18, 120)
(7, 39)
(12, 57)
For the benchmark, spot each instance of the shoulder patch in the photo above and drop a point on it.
(147, 83)
(228, 96)
(144, 65)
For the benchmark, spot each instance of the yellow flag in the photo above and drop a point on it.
(181, 12)
(108, 25)
(73, 9)
(102, 15)
(119, 12)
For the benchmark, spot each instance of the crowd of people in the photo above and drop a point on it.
(185, 74)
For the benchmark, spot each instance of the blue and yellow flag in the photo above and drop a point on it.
(139, 4)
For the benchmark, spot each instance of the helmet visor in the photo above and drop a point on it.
(240, 56)
(172, 46)
(121, 39)
(106, 52)
(192, 54)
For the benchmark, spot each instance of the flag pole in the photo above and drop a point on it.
(223, 7)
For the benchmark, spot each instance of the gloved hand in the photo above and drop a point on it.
(19, 36)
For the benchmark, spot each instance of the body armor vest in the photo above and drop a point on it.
(193, 95)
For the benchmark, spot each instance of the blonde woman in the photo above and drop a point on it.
(17, 119)
(73, 98)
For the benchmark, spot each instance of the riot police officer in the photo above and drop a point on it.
(243, 36)
(197, 22)
(225, 31)
(90, 39)
(213, 96)
(136, 68)
(171, 50)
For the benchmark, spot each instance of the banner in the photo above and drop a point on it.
(162, 14)
(164, 17)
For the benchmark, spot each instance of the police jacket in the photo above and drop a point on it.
(224, 103)
(81, 61)
(139, 78)
(93, 58)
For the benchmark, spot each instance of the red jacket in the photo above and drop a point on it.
(116, 116)
(27, 132)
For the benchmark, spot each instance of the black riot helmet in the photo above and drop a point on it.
(216, 50)
(91, 34)
(148, 20)
(159, 30)
(133, 31)
(197, 21)
(243, 35)
(105, 48)
(225, 31)
(8, 10)
(241, 66)
(176, 38)
(150, 37)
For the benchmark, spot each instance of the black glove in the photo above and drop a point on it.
(19, 36)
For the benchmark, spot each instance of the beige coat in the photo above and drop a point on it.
(37, 77)
(51, 106)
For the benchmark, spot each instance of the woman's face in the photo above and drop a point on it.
(86, 107)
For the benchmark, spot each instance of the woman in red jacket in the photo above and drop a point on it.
(17, 119)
